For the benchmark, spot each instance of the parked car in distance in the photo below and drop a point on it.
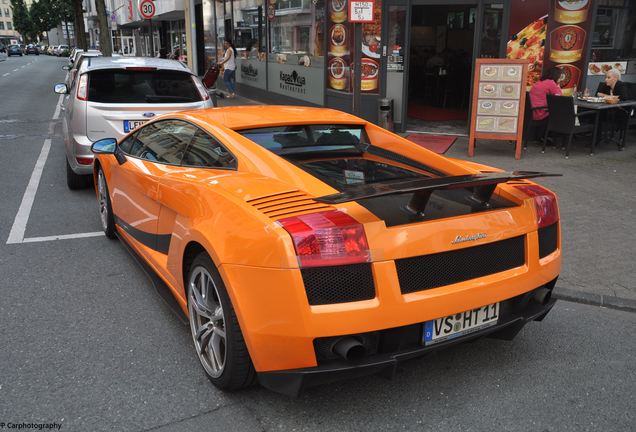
(111, 96)
(307, 245)
(75, 63)
(32, 49)
(60, 49)
(14, 50)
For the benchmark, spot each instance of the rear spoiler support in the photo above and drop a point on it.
(483, 186)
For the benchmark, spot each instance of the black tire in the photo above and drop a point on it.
(105, 208)
(75, 181)
(237, 371)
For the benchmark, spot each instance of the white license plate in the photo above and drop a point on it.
(460, 324)
(131, 125)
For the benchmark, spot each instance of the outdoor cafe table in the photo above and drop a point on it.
(598, 107)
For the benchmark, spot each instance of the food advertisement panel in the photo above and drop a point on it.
(601, 68)
(528, 25)
(569, 30)
(371, 50)
(498, 101)
(340, 44)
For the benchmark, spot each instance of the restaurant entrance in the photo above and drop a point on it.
(444, 41)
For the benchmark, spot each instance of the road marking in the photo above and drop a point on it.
(4, 75)
(22, 217)
(15, 70)
(62, 237)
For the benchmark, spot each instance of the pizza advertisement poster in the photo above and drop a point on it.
(527, 34)
(498, 103)
(569, 30)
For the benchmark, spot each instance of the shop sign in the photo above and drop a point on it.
(360, 11)
(305, 83)
(251, 72)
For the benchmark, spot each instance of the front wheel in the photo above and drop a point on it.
(105, 208)
(216, 334)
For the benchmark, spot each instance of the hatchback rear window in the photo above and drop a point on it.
(136, 86)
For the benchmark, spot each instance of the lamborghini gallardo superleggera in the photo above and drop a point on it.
(306, 245)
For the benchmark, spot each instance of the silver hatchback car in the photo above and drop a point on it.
(110, 96)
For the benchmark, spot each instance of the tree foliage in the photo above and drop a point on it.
(22, 19)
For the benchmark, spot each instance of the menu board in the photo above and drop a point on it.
(499, 98)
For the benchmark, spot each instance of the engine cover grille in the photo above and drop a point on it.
(445, 268)
(547, 240)
(338, 284)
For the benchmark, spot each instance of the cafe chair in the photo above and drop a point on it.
(531, 127)
(562, 120)
(628, 114)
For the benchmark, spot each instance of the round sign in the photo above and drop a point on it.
(147, 9)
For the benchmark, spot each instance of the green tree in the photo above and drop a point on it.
(22, 19)
(44, 16)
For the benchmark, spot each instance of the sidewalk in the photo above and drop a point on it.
(597, 200)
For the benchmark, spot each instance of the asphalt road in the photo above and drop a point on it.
(85, 340)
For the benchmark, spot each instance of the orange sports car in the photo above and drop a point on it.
(306, 245)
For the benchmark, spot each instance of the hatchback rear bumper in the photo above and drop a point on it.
(516, 312)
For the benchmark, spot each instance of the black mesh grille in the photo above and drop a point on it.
(445, 268)
(338, 284)
(547, 240)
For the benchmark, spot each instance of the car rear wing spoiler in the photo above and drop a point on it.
(483, 186)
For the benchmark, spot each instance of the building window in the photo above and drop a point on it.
(1, 25)
(9, 26)
(7, 12)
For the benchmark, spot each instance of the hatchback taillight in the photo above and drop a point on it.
(203, 92)
(82, 87)
(327, 239)
(545, 204)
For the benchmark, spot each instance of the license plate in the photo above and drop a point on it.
(460, 324)
(131, 125)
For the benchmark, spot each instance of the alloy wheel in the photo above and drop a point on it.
(207, 321)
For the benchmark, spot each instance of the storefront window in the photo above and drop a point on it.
(614, 34)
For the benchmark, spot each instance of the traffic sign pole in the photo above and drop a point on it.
(147, 9)
(152, 39)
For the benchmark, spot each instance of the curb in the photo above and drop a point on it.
(611, 302)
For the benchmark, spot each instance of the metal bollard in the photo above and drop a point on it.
(385, 113)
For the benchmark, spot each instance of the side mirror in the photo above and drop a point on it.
(104, 146)
(66, 67)
(60, 88)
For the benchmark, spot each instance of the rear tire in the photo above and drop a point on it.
(75, 181)
(105, 208)
(216, 333)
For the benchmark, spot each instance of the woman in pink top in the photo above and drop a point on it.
(540, 91)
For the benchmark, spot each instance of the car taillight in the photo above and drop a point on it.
(545, 204)
(84, 160)
(82, 88)
(203, 92)
(327, 238)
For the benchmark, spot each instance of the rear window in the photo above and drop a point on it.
(285, 139)
(134, 86)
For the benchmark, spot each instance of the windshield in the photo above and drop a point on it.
(141, 86)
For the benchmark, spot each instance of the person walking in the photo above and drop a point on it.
(229, 64)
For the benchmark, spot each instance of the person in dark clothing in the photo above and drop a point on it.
(612, 86)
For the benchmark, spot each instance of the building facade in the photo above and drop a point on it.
(417, 53)
(8, 34)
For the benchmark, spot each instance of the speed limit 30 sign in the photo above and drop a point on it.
(147, 9)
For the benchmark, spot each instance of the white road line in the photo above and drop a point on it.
(62, 237)
(22, 217)
(4, 75)
(56, 115)
(15, 70)
(19, 224)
